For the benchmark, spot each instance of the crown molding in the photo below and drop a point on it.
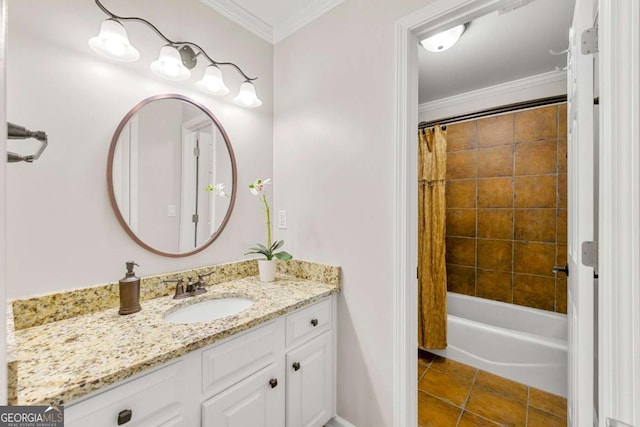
(231, 10)
(246, 19)
(303, 17)
(538, 86)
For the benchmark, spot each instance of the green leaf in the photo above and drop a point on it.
(259, 252)
(276, 245)
(283, 255)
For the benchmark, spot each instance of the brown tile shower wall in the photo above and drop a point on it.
(507, 207)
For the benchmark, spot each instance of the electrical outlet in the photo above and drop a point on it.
(282, 219)
(171, 211)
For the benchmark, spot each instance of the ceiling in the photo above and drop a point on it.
(497, 49)
(273, 20)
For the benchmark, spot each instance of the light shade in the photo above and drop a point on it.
(169, 65)
(247, 96)
(113, 43)
(444, 40)
(212, 82)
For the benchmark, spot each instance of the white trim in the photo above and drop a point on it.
(231, 10)
(619, 211)
(269, 33)
(405, 344)
(302, 18)
(338, 422)
(544, 85)
(437, 14)
(3, 186)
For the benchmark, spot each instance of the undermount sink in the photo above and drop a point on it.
(209, 310)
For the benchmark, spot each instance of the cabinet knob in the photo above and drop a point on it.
(124, 416)
(296, 366)
(314, 322)
(273, 382)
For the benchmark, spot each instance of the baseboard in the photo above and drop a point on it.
(338, 422)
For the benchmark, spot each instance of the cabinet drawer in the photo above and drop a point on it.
(234, 360)
(308, 323)
(151, 396)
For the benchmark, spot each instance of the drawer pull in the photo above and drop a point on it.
(124, 416)
(296, 366)
(314, 322)
(273, 382)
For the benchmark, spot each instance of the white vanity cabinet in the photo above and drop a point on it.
(153, 399)
(281, 373)
(296, 390)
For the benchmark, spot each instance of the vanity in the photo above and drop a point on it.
(272, 364)
(172, 183)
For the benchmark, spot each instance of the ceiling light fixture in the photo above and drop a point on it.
(176, 59)
(444, 40)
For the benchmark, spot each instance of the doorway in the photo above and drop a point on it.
(440, 14)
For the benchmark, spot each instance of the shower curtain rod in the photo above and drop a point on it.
(496, 110)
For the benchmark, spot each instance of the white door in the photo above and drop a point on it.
(580, 304)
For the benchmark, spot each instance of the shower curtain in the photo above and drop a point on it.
(432, 274)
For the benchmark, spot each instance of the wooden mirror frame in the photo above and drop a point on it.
(112, 198)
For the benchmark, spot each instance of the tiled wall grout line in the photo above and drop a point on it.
(475, 264)
(555, 290)
(513, 212)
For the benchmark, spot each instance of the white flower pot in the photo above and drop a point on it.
(267, 270)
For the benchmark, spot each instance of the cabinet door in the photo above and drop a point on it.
(310, 383)
(258, 401)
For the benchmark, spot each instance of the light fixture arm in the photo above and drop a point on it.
(171, 42)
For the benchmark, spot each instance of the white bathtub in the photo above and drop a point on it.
(523, 344)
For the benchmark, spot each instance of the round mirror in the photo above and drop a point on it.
(171, 175)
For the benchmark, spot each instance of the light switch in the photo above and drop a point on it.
(282, 219)
(172, 210)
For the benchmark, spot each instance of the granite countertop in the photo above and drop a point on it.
(62, 360)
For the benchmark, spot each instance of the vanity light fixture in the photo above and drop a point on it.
(444, 40)
(247, 96)
(176, 59)
(169, 65)
(212, 81)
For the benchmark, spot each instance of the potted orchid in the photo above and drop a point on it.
(266, 267)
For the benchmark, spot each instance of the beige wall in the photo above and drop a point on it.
(61, 232)
(334, 172)
(507, 207)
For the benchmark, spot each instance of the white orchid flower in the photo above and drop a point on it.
(258, 186)
(217, 189)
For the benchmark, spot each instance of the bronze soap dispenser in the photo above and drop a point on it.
(130, 291)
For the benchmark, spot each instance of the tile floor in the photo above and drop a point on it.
(451, 394)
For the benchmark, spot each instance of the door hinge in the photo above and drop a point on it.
(196, 152)
(194, 218)
(590, 255)
(615, 423)
(590, 41)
